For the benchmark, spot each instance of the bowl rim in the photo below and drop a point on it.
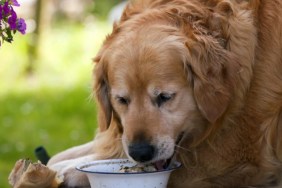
(80, 167)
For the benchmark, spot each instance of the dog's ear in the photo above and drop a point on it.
(214, 73)
(101, 86)
(101, 89)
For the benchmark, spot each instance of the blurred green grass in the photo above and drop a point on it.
(52, 107)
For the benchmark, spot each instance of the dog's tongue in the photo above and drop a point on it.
(160, 165)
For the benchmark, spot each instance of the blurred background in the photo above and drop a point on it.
(46, 77)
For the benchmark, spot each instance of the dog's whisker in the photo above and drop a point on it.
(180, 147)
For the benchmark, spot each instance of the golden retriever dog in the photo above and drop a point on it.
(199, 81)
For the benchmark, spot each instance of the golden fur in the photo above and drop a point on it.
(220, 61)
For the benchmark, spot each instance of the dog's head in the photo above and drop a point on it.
(160, 81)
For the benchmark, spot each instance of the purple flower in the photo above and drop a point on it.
(6, 8)
(1, 14)
(14, 3)
(12, 20)
(21, 26)
(9, 21)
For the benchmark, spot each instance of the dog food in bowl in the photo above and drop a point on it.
(123, 173)
(138, 168)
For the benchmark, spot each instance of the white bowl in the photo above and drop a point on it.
(106, 174)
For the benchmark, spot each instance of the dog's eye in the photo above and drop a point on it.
(122, 100)
(163, 97)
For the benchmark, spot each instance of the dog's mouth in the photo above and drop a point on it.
(167, 163)
(161, 165)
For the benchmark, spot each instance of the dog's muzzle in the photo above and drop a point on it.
(143, 152)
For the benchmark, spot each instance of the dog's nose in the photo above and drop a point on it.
(141, 151)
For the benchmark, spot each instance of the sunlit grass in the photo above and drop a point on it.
(53, 106)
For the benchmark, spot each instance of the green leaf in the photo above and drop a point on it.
(9, 37)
